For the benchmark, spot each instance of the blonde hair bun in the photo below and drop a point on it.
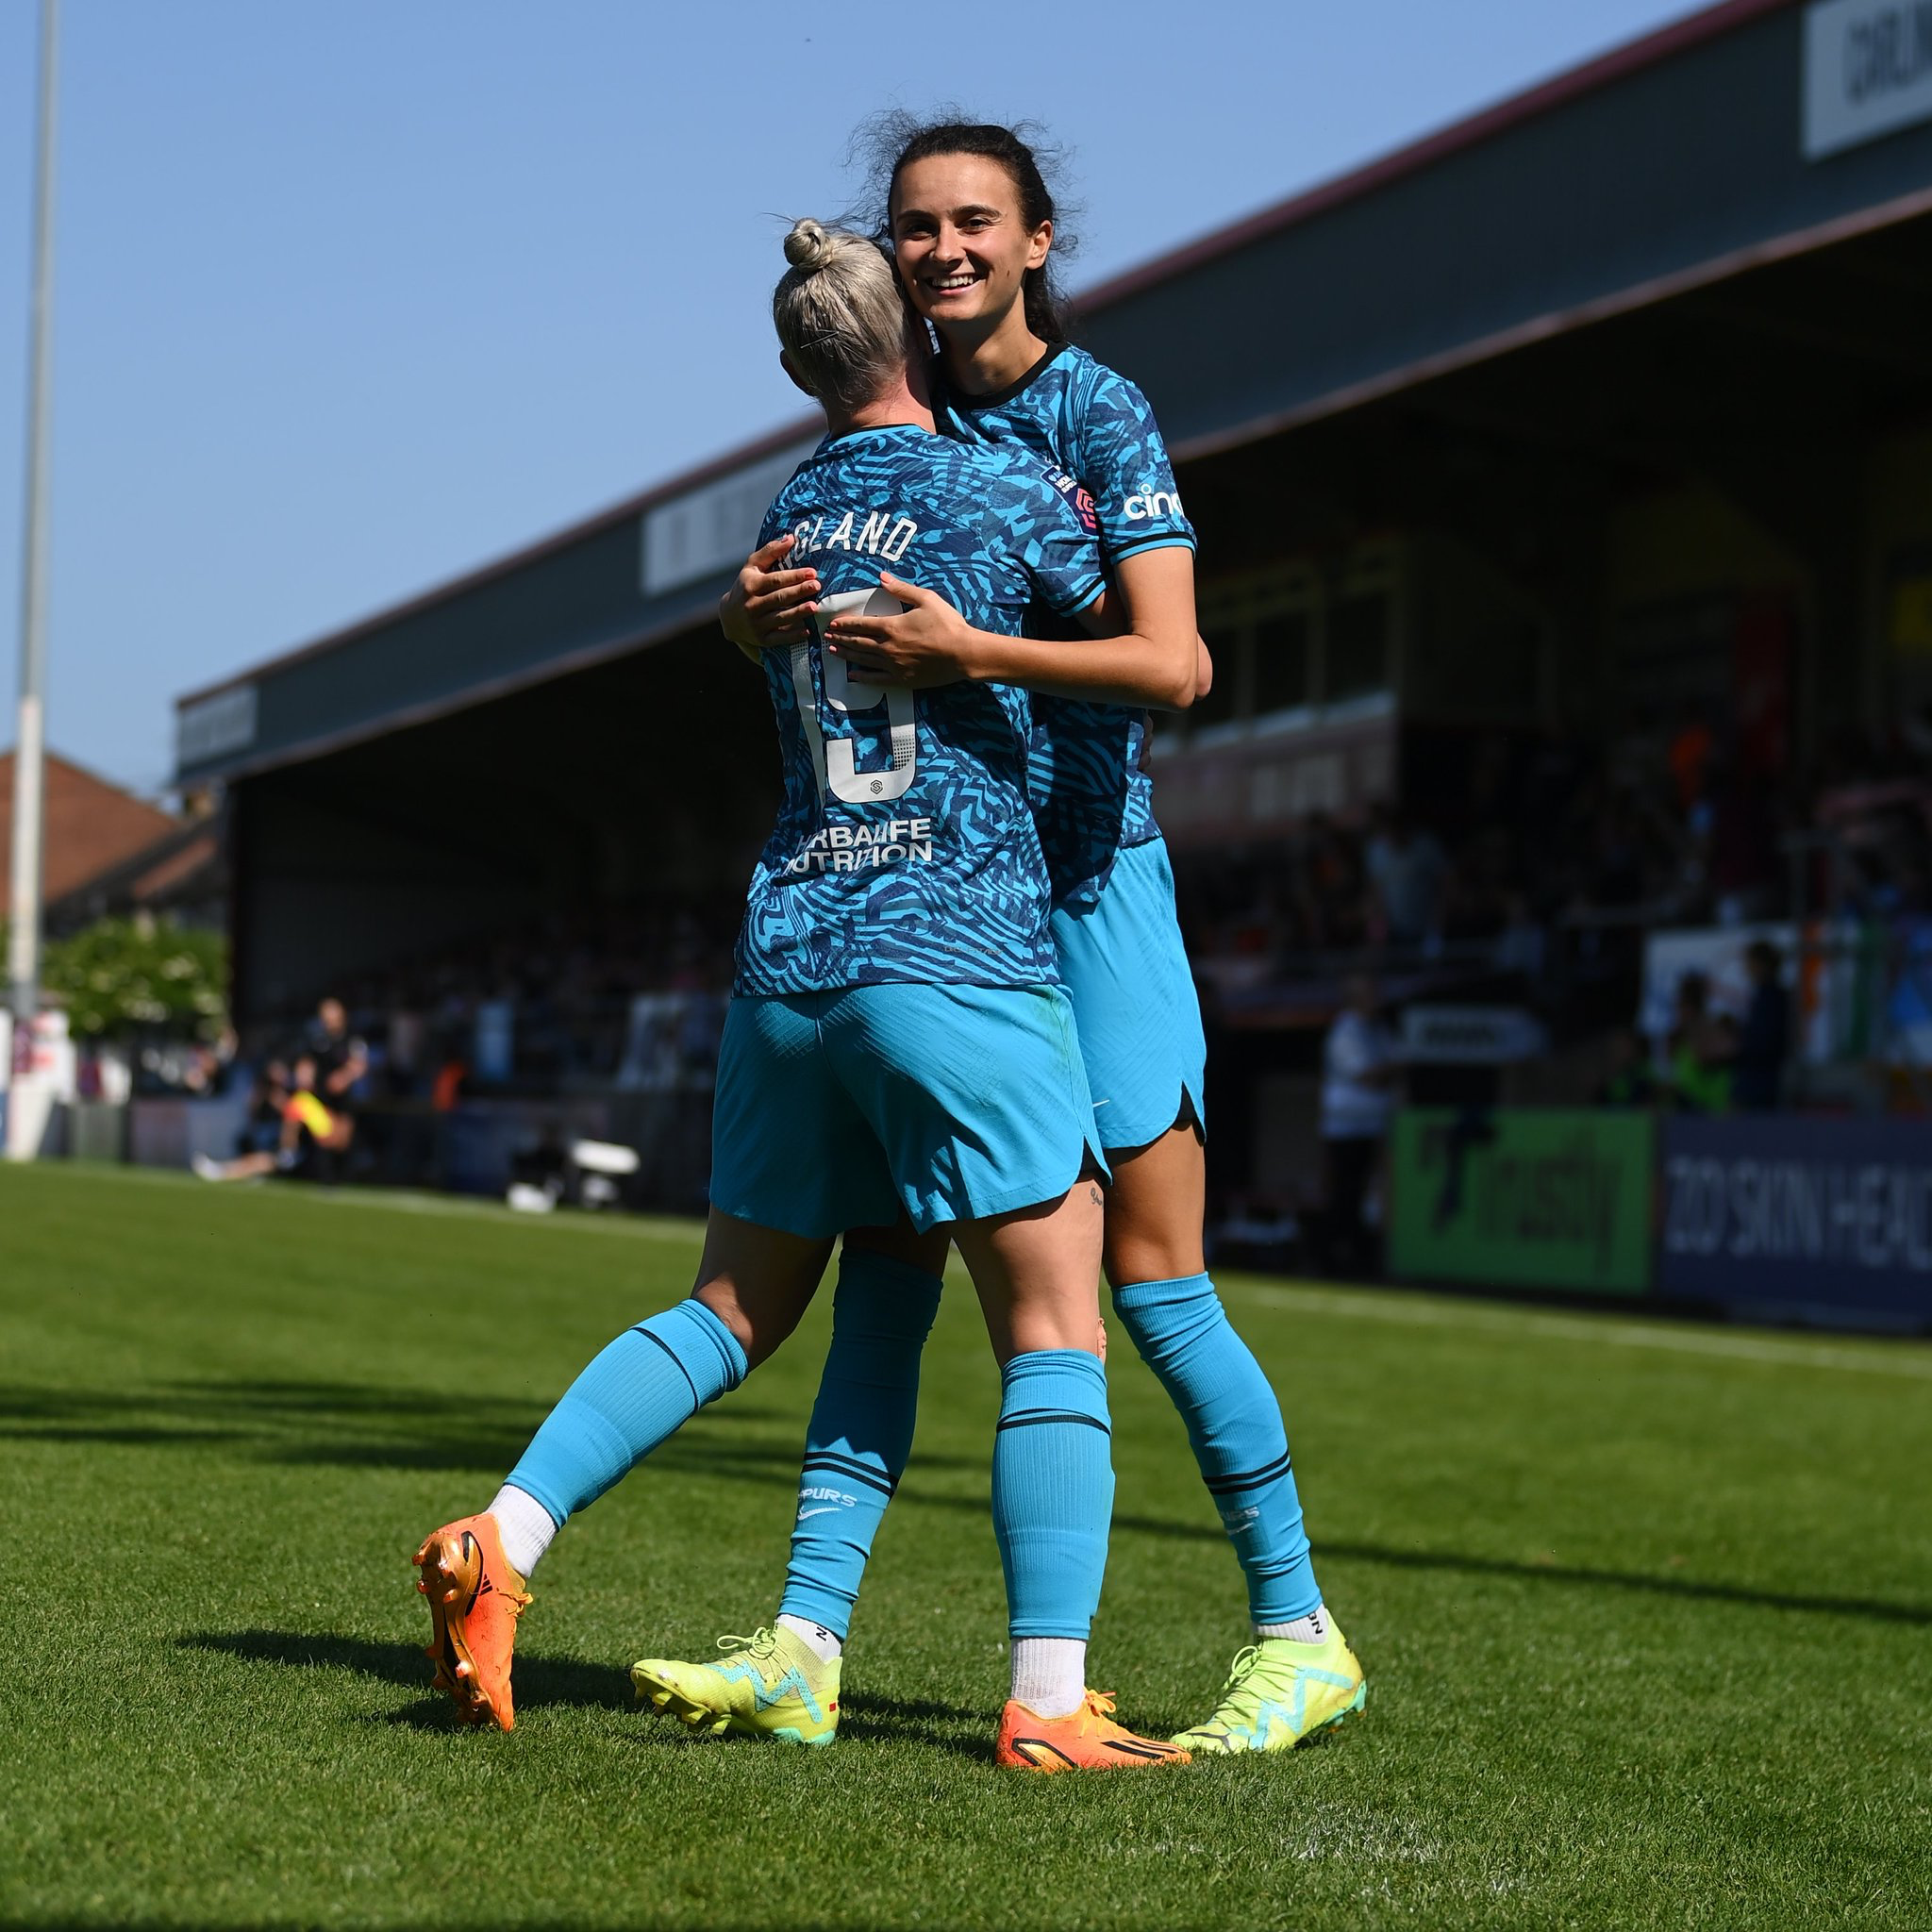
(840, 315)
(809, 246)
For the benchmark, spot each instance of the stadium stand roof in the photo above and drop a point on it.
(1742, 136)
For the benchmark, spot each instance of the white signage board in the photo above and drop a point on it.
(1447, 1036)
(714, 527)
(1868, 71)
(213, 726)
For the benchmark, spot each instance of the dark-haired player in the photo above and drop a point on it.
(971, 223)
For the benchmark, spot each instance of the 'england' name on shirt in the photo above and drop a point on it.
(877, 532)
(851, 848)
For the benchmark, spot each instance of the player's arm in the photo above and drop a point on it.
(766, 605)
(351, 1070)
(1144, 649)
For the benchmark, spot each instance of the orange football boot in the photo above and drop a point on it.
(474, 1601)
(1087, 1740)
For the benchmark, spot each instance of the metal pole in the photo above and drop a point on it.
(29, 756)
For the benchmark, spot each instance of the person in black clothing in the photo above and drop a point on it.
(1759, 1069)
(341, 1059)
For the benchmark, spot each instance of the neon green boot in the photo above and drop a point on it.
(1279, 1694)
(768, 1685)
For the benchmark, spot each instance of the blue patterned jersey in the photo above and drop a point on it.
(905, 847)
(1091, 796)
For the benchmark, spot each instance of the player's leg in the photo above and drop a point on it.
(1165, 1300)
(979, 1099)
(765, 1248)
(860, 1432)
(244, 1167)
(783, 1682)
(789, 1148)
(1299, 1675)
(1123, 963)
(1052, 1479)
(753, 1285)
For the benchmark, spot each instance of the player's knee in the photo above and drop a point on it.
(1149, 1250)
(760, 1327)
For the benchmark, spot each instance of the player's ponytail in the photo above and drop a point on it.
(840, 315)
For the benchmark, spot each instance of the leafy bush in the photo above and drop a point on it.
(124, 975)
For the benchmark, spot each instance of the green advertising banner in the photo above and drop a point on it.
(1524, 1197)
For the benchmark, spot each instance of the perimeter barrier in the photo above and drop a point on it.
(1819, 1219)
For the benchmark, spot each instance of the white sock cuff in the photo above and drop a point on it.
(1050, 1674)
(815, 1637)
(525, 1526)
(1313, 1628)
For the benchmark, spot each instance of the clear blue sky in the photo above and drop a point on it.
(351, 297)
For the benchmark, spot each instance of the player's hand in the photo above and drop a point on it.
(928, 644)
(767, 606)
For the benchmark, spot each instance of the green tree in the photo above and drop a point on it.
(123, 975)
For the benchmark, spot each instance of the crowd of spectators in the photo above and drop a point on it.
(627, 996)
(1552, 845)
(1547, 859)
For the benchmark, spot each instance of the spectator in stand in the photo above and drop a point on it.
(261, 1130)
(1764, 1042)
(1409, 873)
(1689, 756)
(1360, 1071)
(1523, 946)
(340, 1059)
(1701, 1049)
(1326, 885)
(308, 1138)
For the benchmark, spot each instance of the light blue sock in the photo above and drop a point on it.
(860, 1432)
(644, 1386)
(1234, 1422)
(1053, 1491)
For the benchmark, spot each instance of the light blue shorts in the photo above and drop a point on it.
(1126, 970)
(839, 1109)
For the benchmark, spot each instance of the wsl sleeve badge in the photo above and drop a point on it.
(1084, 509)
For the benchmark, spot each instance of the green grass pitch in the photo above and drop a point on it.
(1646, 1611)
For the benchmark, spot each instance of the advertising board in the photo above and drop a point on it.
(1868, 71)
(1524, 1197)
(1821, 1218)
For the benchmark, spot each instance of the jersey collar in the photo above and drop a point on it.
(994, 398)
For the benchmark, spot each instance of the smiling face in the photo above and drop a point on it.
(962, 244)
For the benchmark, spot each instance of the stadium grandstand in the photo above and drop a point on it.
(1564, 492)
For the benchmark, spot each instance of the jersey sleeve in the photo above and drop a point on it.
(1124, 465)
(1050, 527)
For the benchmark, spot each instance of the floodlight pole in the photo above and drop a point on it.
(29, 755)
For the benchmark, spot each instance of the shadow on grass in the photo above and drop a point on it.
(920, 1721)
(361, 1426)
(355, 1425)
(568, 1681)
(540, 1680)
(1687, 1588)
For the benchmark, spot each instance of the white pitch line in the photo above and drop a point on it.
(1370, 1305)
(394, 1201)
(1913, 1362)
